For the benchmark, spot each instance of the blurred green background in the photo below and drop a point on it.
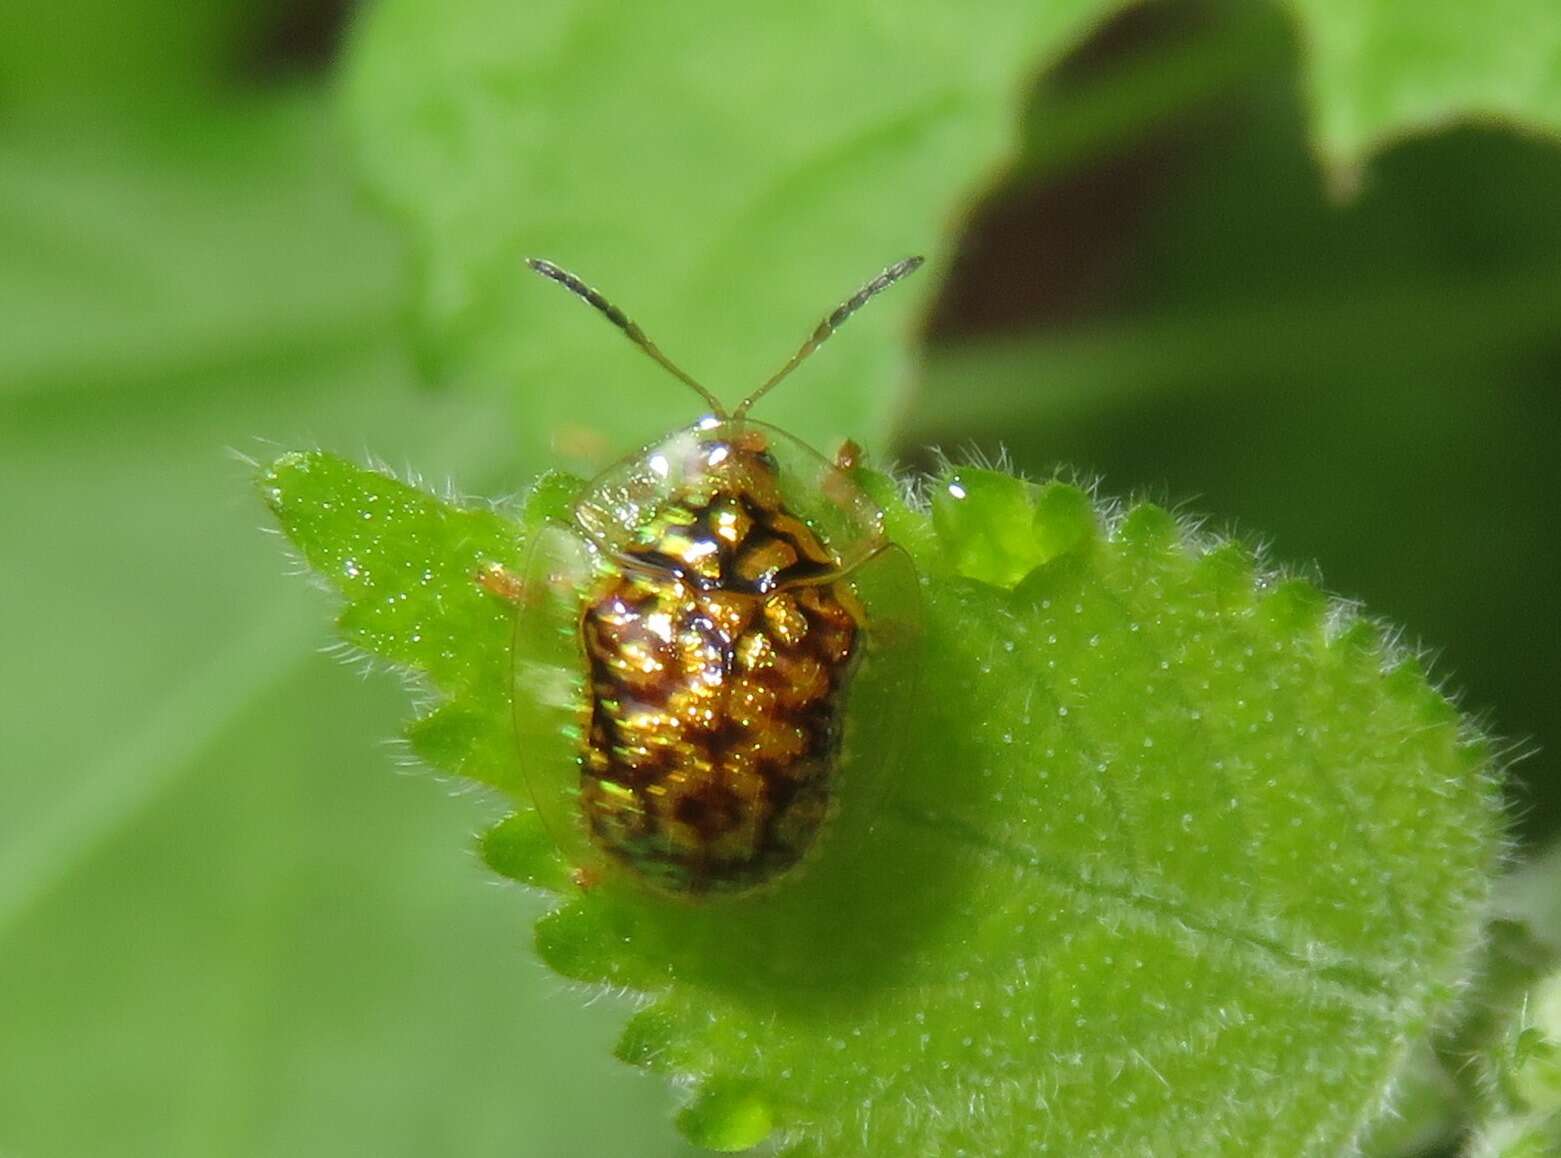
(226, 925)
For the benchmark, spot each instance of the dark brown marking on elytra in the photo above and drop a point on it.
(716, 703)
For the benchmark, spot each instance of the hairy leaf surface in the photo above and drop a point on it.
(1179, 858)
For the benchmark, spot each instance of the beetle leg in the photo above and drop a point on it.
(838, 488)
(496, 579)
(849, 456)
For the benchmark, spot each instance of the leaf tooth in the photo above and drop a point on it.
(650, 1038)
(727, 1115)
(469, 740)
(1065, 520)
(596, 943)
(518, 847)
(1150, 529)
(1228, 571)
(1295, 607)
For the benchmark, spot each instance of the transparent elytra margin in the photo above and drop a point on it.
(567, 561)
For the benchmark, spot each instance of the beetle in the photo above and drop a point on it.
(686, 643)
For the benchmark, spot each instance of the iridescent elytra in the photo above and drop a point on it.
(686, 644)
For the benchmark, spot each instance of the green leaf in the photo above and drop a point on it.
(1380, 69)
(725, 175)
(110, 57)
(1508, 1055)
(1494, 1076)
(407, 564)
(1179, 858)
(224, 928)
(1000, 528)
(139, 258)
(1523, 1067)
(1486, 1071)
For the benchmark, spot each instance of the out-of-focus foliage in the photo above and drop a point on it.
(106, 59)
(223, 927)
(742, 172)
(1379, 69)
(1496, 1071)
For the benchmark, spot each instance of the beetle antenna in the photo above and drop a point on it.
(832, 323)
(622, 320)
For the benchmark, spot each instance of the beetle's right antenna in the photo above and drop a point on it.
(618, 318)
(830, 324)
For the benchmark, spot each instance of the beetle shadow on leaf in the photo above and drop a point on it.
(853, 916)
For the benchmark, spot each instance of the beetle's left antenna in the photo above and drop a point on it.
(622, 320)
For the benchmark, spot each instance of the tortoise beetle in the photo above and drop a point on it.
(685, 645)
